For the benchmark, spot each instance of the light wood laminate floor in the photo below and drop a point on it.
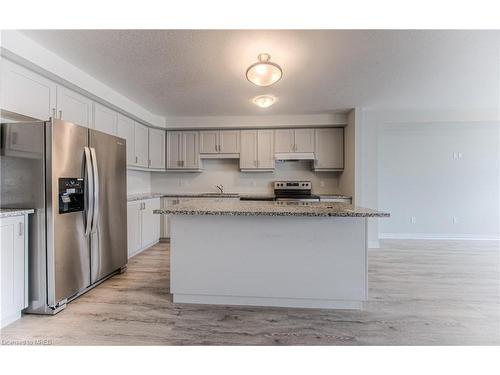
(421, 293)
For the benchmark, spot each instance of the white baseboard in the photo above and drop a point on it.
(436, 236)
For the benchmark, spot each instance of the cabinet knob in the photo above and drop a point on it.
(21, 228)
(136, 159)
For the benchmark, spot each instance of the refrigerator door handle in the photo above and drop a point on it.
(90, 193)
(96, 190)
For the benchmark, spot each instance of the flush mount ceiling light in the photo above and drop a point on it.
(264, 101)
(264, 72)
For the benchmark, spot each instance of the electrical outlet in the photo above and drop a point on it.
(322, 183)
(455, 219)
(254, 183)
(413, 220)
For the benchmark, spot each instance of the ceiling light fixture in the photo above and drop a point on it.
(264, 101)
(264, 72)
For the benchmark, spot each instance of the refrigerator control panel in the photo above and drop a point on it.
(71, 195)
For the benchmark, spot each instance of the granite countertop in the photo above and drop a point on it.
(9, 212)
(138, 197)
(266, 208)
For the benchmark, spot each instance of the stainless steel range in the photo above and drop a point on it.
(294, 191)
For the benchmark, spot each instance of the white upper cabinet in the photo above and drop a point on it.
(294, 140)
(329, 153)
(156, 148)
(174, 146)
(219, 142)
(141, 140)
(105, 119)
(229, 141)
(265, 151)
(304, 140)
(25, 92)
(209, 142)
(183, 150)
(74, 107)
(257, 150)
(284, 140)
(150, 225)
(125, 128)
(190, 153)
(248, 154)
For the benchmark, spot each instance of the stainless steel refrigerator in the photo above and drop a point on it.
(75, 179)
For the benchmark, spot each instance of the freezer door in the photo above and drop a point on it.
(109, 227)
(68, 249)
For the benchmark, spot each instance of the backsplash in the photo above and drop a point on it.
(227, 173)
(138, 182)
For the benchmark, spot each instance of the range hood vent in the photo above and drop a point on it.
(294, 156)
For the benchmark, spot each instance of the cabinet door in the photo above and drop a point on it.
(125, 129)
(150, 222)
(12, 264)
(141, 145)
(134, 227)
(174, 148)
(284, 140)
(105, 119)
(73, 107)
(304, 140)
(190, 153)
(248, 153)
(156, 148)
(25, 92)
(265, 153)
(209, 142)
(164, 220)
(229, 141)
(329, 152)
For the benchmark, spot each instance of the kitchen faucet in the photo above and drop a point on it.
(221, 188)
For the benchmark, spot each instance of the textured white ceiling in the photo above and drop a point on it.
(202, 72)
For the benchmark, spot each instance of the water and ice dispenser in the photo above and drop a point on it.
(71, 195)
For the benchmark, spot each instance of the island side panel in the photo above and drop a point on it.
(269, 261)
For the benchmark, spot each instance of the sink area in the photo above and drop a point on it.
(219, 195)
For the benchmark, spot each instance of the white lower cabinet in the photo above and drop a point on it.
(143, 226)
(14, 258)
(134, 227)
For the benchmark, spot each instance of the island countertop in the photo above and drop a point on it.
(228, 207)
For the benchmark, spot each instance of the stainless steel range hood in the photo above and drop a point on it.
(294, 156)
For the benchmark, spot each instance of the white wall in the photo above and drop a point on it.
(413, 170)
(226, 172)
(138, 182)
(419, 177)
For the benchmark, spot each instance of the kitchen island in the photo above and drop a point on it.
(287, 254)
